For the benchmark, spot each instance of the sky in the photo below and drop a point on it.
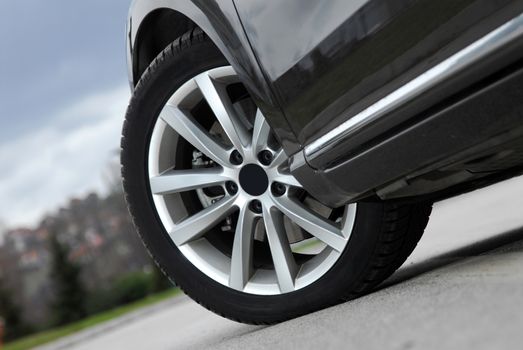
(63, 95)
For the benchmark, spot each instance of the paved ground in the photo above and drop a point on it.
(461, 288)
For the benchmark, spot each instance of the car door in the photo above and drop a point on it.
(328, 60)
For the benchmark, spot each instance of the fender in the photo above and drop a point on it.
(220, 21)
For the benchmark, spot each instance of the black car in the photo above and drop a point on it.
(282, 156)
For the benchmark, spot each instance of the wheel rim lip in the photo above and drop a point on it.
(208, 259)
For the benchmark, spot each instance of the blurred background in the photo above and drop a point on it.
(67, 246)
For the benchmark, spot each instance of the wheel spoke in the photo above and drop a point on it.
(287, 179)
(174, 181)
(239, 126)
(279, 158)
(284, 263)
(241, 260)
(260, 134)
(194, 134)
(217, 99)
(311, 222)
(197, 225)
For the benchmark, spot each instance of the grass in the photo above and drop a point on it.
(48, 336)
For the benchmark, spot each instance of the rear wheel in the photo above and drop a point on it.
(211, 195)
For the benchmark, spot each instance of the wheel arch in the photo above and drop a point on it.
(152, 26)
(157, 30)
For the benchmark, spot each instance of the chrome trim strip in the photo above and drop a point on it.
(424, 82)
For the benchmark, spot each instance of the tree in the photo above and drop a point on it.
(10, 312)
(68, 304)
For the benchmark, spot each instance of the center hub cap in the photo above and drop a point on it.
(253, 179)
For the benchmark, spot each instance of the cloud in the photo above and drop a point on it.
(65, 158)
(55, 52)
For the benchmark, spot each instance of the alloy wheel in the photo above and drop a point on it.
(240, 176)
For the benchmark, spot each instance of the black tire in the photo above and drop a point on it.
(384, 234)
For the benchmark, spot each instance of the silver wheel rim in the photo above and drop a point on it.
(187, 231)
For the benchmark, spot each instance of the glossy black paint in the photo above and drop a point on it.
(311, 65)
(323, 77)
(473, 140)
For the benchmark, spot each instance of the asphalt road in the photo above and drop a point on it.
(462, 288)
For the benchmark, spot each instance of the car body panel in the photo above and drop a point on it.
(328, 64)
(219, 20)
(312, 66)
(471, 142)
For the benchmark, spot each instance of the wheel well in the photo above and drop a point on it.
(160, 28)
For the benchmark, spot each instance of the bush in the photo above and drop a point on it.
(132, 287)
(99, 301)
